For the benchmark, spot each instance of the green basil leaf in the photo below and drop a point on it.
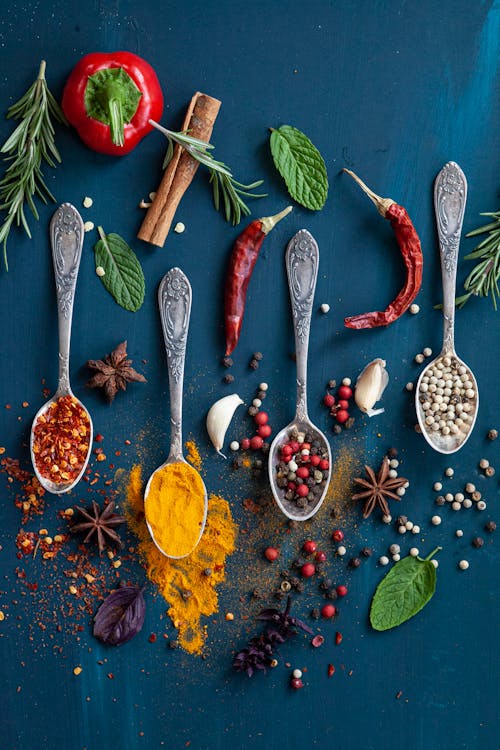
(403, 592)
(301, 165)
(123, 276)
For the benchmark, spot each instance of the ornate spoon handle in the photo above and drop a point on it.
(302, 259)
(66, 236)
(174, 299)
(450, 196)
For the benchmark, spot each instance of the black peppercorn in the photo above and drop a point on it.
(237, 462)
(367, 552)
(227, 362)
(228, 378)
(252, 410)
(477, 542)
(332, 594)
(207, 572)
(315, 613)
(332, 384)
(261, 395)
(392, 452)
(254, 365)
(354, 562)
(440, 500)
(492, 434)
(490, 527)
(349, 423)
(337, 429)
(258, 356)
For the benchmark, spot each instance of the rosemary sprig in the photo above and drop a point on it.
(223, 183)
(483, 279)
(30, 144)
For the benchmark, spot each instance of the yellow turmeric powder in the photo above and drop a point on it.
(175, 508)
(189, 584)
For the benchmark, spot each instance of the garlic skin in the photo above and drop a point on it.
(219, 418)
(370, 385)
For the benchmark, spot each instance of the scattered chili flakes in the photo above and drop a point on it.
(331, 670)
(338, 638)
(61, 440)
(152, 638)
(317, 641)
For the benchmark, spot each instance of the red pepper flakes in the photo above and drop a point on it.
(338, 638)
(331, 670)
(98, 438)
(61, 440)
(317, 641)
(152, 638)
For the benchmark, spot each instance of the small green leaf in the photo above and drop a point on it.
(301, 165)
(403, 592)
(123, 276)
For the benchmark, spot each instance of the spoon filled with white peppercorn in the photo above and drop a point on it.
(446, 397)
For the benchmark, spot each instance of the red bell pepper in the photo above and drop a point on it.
(110, 98)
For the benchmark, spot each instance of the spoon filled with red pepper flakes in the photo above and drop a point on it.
(61, 434)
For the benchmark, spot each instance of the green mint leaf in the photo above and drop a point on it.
(123, 276)
(403, 592)
(301, 165)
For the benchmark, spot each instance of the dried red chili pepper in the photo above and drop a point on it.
(411, 250)
(241, 264)
(109, 98)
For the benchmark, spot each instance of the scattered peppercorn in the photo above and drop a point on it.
(354, 562)
(315, 613)
(227, 362)
(492, 434)
(254, 365)
(367, 552)
(490, 527)
(271, 553)
(308, 570)
(338, 535)
(258, 356)
(341, 590)
(328, 611)
(228, 378)
(477, 542)
(309, 547)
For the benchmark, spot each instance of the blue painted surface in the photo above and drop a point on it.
(393, 90)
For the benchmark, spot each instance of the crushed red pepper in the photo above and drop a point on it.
(61, 440)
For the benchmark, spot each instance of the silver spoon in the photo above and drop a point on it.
(174, 299)
(450, 195)
(302, 259)
(66, 236)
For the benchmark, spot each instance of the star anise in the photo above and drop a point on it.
(101, 522)
(113, 372)
(378, 487)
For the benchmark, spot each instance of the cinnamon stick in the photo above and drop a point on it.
(199, 120)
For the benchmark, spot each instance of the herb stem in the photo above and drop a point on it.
(434, 551)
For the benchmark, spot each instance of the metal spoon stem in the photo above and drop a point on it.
(66, 234)
(450, 196)
(301, 261)
(174, 299)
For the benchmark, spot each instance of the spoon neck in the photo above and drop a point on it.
(301, 409)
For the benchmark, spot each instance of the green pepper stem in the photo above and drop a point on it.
(41, 72)
(116, 121)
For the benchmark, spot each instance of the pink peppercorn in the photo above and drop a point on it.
(271, 553)
(317, 641)
(315, 460)
(328, 610)
(344, 392)
(264, 430)
(343, 404)
(320, 556)
(286, 450)
(323, 465)
(296, 683)
(294, 446)
(328, 400)
(302, 472)
(256, 443)
(302, 490)
(309, 547)
(341, 590)
(261, 418)
(342, 416)
(291, 486)
(338, 535)
(245, 444)
(308, 570)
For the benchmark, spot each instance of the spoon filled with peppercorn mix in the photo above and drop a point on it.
(446, 398)
(62, 431)
(175, 499)
(300, 459)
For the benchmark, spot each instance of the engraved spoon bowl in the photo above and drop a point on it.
(66, 236)
(301, 259)
(174, 300)
(450, 195)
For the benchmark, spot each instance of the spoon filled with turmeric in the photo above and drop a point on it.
(175, 500)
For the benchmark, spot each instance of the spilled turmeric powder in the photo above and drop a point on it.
(175, 508)
(193, 454)
(189, 584)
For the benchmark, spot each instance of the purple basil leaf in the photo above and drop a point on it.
(120, 616)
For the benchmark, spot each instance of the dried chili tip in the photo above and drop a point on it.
(382, 204)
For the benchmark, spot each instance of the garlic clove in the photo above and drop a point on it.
(219, 418)
(370, 386)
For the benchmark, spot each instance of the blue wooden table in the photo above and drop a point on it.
(392, 90)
